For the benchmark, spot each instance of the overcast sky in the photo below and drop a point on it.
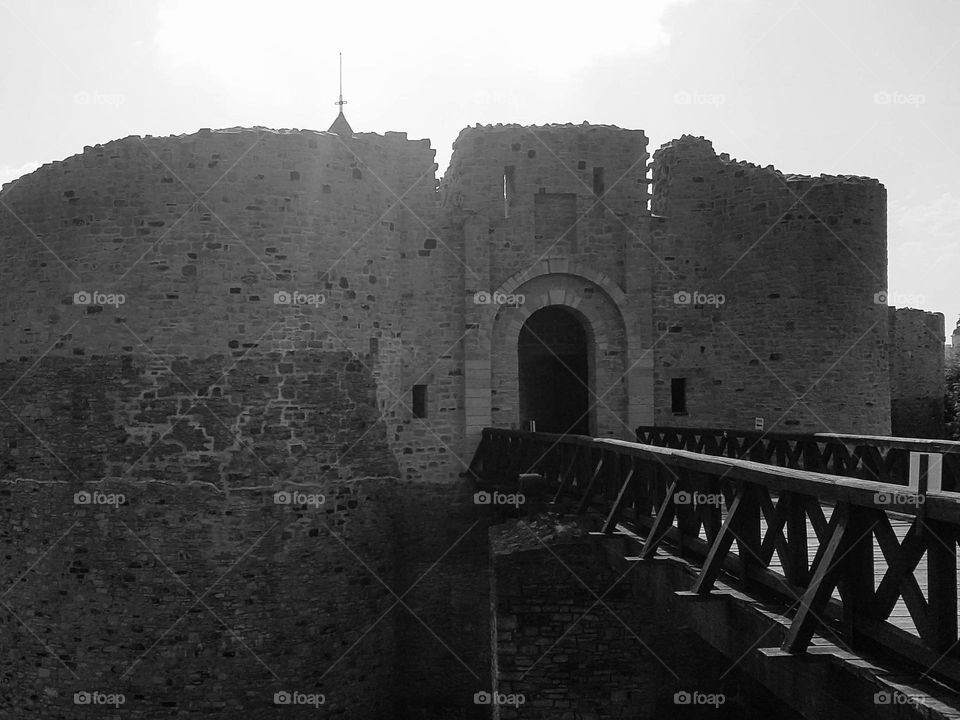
(861, 87)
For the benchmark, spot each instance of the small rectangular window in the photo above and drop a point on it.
(509, 188)
(420, 401)
(598, 186)
(678, 395)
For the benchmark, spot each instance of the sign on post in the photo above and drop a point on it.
(926, 471)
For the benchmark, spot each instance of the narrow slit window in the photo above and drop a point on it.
(420, 401)
(508, 188)
(598, 187)
(678, 395)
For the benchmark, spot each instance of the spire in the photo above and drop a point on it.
(340, 125)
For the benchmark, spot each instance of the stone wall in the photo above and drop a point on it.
(798, 338)
(917, 384)
(557, 161)
(296, 417)
(203, 234)
(191, 602)
(575, 639)
(558, 207)
(782, 273)
(443, 626)
(199, 396)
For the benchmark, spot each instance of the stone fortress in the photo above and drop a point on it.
(197, 323)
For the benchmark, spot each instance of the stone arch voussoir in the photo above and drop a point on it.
(563, 266)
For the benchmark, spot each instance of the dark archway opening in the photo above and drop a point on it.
(555, 372)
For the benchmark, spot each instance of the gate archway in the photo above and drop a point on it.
(553, 360)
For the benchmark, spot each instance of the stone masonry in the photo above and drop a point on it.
(916, 373)
(575, 640)
(200, 322)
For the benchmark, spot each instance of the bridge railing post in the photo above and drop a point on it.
(748, 535)
(942, 584)
(856, 579)
(795, 564)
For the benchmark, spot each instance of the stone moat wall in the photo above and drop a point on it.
(574, 638)
(190, 602)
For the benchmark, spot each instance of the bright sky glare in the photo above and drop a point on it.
(862, 87)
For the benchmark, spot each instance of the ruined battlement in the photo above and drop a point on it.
(211, 149)
(520, 142)
(689, 148)
(502, 167)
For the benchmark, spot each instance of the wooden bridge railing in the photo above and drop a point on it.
(886, 459)
(759, 524)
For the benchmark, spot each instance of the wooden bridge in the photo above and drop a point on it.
(853, 538)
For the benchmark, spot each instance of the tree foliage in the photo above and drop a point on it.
(951, 402)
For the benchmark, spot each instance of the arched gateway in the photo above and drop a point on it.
(555, 373)
(560, 358)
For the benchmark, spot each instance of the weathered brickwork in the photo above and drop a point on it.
(799, 339)
(200, 232)
(575, 639)
(496, 177)
(443, 623)
(194, 603)
(788, 269)
(916, 373)
(295, 417)
(599, 313)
